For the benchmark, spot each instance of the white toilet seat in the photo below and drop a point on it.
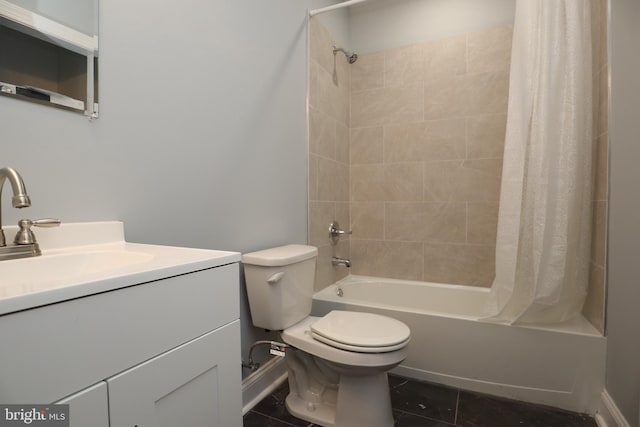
(361, 332)
(299, 336)
(354, 348)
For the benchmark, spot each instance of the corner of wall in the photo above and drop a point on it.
(608, 414)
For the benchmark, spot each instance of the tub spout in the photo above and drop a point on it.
(341, 261)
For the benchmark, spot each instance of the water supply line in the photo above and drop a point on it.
(277, 348)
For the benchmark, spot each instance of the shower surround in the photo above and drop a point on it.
(594, 307)
(407, 148)
(328, 110)
(427, 133)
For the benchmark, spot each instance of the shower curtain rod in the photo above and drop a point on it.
(313, 12)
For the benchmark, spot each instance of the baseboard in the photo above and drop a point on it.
(262, 382)
(608, 414)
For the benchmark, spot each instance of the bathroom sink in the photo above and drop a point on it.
(86, 258)
(29, 275)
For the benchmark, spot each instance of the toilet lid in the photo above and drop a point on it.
(357, 349)
(363, 332)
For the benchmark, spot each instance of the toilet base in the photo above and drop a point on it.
(361, 400)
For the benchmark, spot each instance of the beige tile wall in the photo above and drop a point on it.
(427, 135)
(329, 89)
(594, 308)
(406, 147)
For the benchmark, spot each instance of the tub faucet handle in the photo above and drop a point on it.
(335, 232)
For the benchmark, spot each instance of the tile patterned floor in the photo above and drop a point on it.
(421, 404)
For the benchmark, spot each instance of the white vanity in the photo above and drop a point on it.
(127, 334)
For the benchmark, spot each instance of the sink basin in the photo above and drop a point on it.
(28, 275)
(82, 259)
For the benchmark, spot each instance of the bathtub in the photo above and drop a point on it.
(560, 365)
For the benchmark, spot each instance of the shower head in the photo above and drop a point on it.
(351, 56)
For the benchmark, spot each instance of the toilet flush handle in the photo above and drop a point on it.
(275, 278)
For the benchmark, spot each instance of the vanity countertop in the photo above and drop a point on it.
(81, 259)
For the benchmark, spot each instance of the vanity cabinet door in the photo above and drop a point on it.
(197, 384)
(88, 407)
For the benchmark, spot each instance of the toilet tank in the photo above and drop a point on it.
(280, 284)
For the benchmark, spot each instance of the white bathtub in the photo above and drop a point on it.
(561, 365)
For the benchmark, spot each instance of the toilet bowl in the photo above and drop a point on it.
(338, 363)
(336, 387)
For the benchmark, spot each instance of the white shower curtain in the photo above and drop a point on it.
(542, 248)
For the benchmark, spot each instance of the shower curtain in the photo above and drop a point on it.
(543, 241)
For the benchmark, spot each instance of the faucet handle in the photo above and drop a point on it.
(44, 222)
(335, 233)
(25, 236)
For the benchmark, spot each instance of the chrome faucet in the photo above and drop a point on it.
(24, 244)
(340, 261)
(335, 233)
(20, 198)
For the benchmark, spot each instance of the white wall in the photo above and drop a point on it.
(384, 24)
(201, 139)
(337, 23)
(623, 313)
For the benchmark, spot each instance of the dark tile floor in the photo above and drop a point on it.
(421, 404)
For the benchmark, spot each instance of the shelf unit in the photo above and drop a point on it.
(28, 38)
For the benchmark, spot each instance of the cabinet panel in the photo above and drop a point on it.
(88, 407)
(62, 348)
(194, 385)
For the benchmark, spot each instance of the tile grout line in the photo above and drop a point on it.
(273, 418)
(455, 416)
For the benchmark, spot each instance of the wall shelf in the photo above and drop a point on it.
(35, 25)
(47, 62)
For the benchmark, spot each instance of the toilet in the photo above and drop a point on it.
(337, 364)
